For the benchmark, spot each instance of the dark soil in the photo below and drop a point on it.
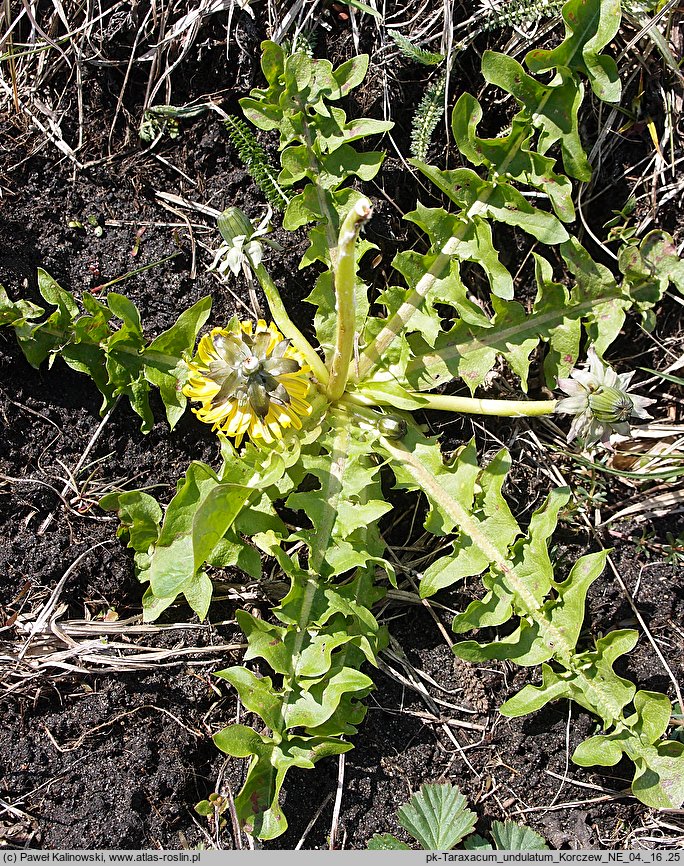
(92, 757)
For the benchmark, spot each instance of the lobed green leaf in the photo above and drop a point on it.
(590, 26)
(496, 200)
(510, 155)
(257, 805)
(551, 109)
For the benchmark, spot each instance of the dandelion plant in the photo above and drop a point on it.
(314, 428)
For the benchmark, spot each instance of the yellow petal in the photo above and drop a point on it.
(300, 406)
(261, 431)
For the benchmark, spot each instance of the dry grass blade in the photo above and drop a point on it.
(179, 201)
(657, 505)
(649, 28)
(84, 456)
(83, 647)
(51, 604)
(224, 789)
(51, 131)
(411, 681)
(644, 457)
(77, 743)
(332, 844)
(647, 632)
(312, 822)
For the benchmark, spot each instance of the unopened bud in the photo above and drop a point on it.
(392, 428)
(610, 405)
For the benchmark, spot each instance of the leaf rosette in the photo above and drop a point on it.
(312, 495)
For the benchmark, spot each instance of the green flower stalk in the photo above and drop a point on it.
(598, 398)
(478, 406)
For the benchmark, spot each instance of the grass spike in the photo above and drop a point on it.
(256, 161)
(413, 52)
(427, 116)
(495, 14)
(516, 13)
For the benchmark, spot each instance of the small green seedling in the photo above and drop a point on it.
(439, 819)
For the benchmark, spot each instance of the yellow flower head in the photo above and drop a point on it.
(249, 382)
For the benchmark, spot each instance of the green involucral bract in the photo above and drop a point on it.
(430, 326)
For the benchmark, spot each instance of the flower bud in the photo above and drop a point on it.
(610, 405)
(597, 397)
(392, 428)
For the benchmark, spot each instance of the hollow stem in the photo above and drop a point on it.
(476, 406)
(345, 276)
(466, 405)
